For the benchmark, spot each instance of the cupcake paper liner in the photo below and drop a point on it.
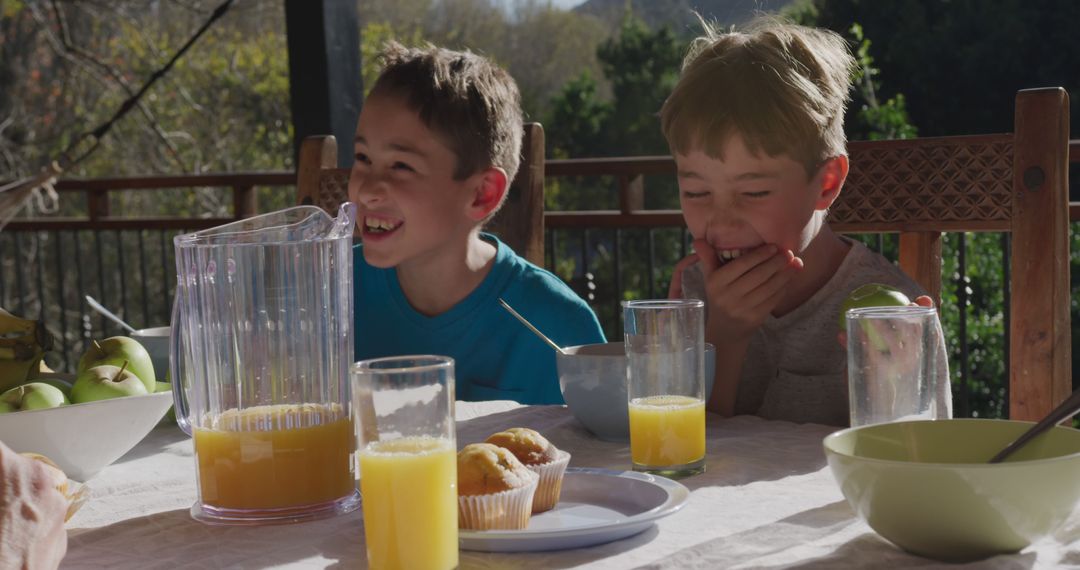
(550, 486)
(505, 510)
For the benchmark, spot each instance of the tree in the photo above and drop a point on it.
(641, 67)
(960, 63)
(541, 46)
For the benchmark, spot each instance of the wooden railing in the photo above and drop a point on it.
(47, 265)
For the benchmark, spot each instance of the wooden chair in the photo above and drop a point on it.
(1016, 182)
(520, 222)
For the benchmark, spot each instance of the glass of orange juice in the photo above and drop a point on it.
(665, 350)
(408, 461)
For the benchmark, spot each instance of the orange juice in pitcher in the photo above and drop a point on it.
(275, 457)
(261, 347)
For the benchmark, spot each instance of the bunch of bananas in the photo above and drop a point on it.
(23, 343)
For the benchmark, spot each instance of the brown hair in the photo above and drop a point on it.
(472, 104)
(782, 87)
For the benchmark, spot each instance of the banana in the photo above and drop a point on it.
(12, 326)
(23, 343)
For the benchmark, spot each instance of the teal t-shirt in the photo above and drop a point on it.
(495, 356)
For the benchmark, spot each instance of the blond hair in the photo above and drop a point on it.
(782, 87)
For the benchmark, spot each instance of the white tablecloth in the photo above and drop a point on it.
(767, 500)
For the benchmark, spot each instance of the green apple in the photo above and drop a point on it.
(170, 416)
(63, 385)
(104, 382)
(114, 351)
(871, 295)
(32, 396)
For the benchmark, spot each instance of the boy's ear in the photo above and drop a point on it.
(830, 179)
(490, 189)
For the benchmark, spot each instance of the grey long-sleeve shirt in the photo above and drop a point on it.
(794, 368)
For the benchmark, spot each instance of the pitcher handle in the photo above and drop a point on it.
(179, 398)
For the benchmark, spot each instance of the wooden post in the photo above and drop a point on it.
(316, 154)
(631, 193)
(245, 201)
(325, 87)
(1040, 346)
(920, 259)
(97, 204)
(520, 222)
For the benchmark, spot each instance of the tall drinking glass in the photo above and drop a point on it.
(408, 461)
(895, 371)
(261, 347)
(665, 349)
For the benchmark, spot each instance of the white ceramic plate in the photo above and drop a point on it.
(596, 506)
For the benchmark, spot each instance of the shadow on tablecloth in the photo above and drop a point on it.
(823, 538)
(172, 539)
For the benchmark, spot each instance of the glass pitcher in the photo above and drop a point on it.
(262, 343)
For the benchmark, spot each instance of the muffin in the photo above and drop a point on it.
(75, 493)
(540, 457)
(495, 491)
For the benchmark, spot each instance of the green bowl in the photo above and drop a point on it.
(926, 487)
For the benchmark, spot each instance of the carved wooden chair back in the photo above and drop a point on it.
(519, 224)
(1015, 182)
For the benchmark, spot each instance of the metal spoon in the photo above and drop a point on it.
(532, 328)
(1064, 410)
(101, 309)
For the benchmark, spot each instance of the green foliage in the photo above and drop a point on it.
(961, 62)
(541, 46)
(641, 66)
(873, 120)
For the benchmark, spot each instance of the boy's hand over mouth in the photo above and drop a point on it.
(743, 291)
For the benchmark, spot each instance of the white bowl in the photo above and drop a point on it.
(592, 378)
(85, 438)
(156, 341)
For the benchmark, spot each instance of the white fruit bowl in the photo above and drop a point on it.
(83, 439)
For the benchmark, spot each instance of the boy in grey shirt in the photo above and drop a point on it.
(756, 127)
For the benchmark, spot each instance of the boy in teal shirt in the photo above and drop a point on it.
(437, 144)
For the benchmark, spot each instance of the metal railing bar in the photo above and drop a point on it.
(80, 283)
(1006, 288)
(20, 293)
(122, 276)
(164, 278)
(585, 257)
(618, 272)
(3, 274)
(60, 298)
(39, 252)
(143, 287)
(101, 276)
(962, 301)
(652, 264)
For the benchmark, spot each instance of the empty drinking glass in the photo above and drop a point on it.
(895, 365)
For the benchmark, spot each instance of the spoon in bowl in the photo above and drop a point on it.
(543, 336)
(1070, 406)
(112, 317)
